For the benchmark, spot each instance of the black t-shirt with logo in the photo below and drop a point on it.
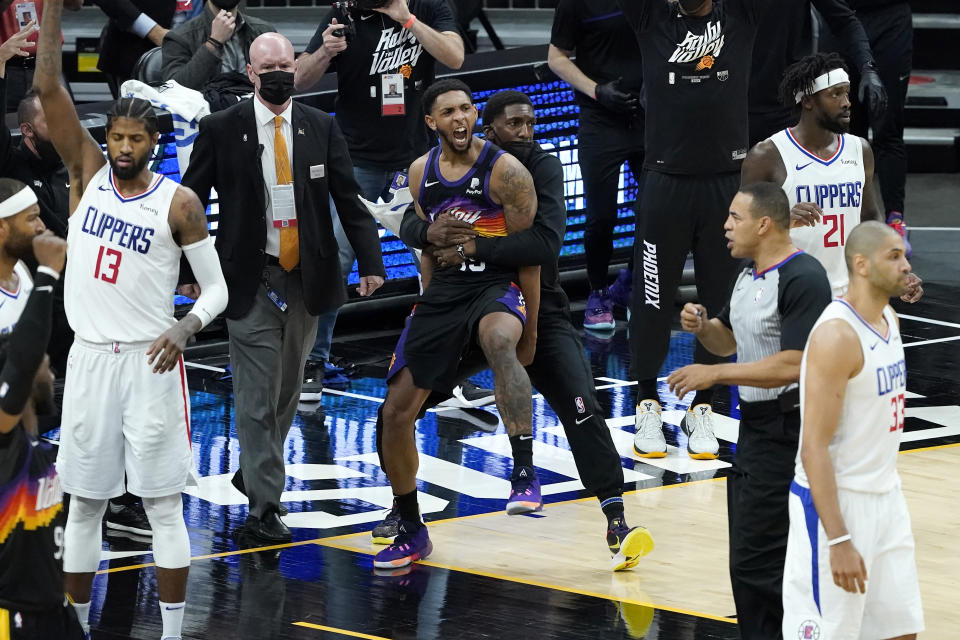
(603, 42)
(31, 524)
(383, 46)
(696, 72)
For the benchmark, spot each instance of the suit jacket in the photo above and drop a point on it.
(226, 155)
(119, 48)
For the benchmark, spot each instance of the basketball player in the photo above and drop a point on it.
(472, 304)
(826, 173)
(32, 602)
(850, 569)
(18, 228)
(125, 404)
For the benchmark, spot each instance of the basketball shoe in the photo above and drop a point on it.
(622, 288)
(598, 314)
(698, 425)
(411, 544)
(386, 532)
(627, 544)
(895, 220)
(648, 440)
(525, 494)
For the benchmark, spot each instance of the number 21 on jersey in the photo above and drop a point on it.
(835, 223)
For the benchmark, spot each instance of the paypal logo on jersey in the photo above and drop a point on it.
(127, 235)
(830, 196)
(891, 377)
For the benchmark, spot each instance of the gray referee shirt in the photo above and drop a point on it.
(774, 310)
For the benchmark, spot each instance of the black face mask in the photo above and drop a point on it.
(46, 151)
(522, 150)
(276, 86)
(226, 5)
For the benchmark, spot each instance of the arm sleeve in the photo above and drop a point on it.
(358, 224)
(205, 264)
(27, 345)
(192, 69)
(803, 296)
(540, 244)
(843, 22)
(413, 229)
(442, 19)
(563, 34)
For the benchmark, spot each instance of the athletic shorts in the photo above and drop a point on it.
(59, 622)
(442, 329)
(814, 607)
(120, 418)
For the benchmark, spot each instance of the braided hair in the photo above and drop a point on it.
(135, 109)
(800, 76)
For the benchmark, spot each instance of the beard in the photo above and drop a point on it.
(833, 125)
(130, 172)
(19, 246)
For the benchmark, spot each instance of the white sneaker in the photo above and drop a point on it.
(698, 425)
(469, 396)
(648, 441)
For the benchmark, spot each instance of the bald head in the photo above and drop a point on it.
(866, 239)
(270, 46)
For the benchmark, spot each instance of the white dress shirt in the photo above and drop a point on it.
(265, 135)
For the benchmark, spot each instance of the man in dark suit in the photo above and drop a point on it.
(279, 255)
(135, 27)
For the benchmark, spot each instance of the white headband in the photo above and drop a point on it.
(17, 202)
(830, 79)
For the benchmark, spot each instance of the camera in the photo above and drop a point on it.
(346, 9)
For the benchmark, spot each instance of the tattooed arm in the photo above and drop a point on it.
(511, 186)
(74, 144)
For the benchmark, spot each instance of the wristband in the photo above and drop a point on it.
(837, 541)
(409, 23)
(216, 43)
(49, 271)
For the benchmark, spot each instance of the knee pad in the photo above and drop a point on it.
(171, 545)
(82, 537)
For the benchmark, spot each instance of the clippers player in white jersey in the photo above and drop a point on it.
(850, 569)
(826, 172)
(18, 228)
(126, 405)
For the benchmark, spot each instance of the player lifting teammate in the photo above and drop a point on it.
(126, 405)
(850, 569)
(464, 306)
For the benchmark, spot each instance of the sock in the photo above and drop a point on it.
(522, 446)
(172, 615)
(408, 507)
(612, 508)
(704, 396)
(647, 390)
(83, 614)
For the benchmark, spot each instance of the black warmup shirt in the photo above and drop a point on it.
(383, 46)
(31, 524)
(696, 72)
(861, 5)
(603, 42)
(773, 311)
(785, 36)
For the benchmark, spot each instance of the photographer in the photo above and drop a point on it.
(373, 45)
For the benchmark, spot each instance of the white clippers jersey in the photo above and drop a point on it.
(865, 445)
(13, 302)
(122, 262)
(836, 186)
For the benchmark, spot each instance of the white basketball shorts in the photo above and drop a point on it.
(814, 608)
(120, 418)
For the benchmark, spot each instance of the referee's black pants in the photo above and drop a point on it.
(560, 371)
(604, 143)
(58, 622)
(758, 487)
(681, 213)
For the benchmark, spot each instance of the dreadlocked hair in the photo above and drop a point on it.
(135, 109)
(800, 76)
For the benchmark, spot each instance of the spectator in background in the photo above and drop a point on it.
(889, 26)
(608, 78)
(19, 68)
(215, 42)
(785, 36)
(135, 27)
(404, 40)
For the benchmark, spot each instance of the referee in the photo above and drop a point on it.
(777, 297)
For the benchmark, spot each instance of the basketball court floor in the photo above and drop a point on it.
(524, 577)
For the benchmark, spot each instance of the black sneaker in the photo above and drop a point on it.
(469, 396)
(128, 517)
(312, 388)
(387, 531)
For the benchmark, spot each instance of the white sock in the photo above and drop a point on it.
(172, 615)
(83, 614)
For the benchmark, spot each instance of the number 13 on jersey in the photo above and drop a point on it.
(108, 262)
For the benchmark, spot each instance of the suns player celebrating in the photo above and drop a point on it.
(848, 517)
(826, 173)
(125, 405)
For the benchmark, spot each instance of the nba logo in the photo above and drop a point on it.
(579, 402)
(809, 630)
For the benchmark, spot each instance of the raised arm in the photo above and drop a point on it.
(74, 144)
(320, 52)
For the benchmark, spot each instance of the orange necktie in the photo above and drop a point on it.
(289, 236)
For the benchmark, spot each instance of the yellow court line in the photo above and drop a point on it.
(223, 554)
(933, 448)
(342, 632)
